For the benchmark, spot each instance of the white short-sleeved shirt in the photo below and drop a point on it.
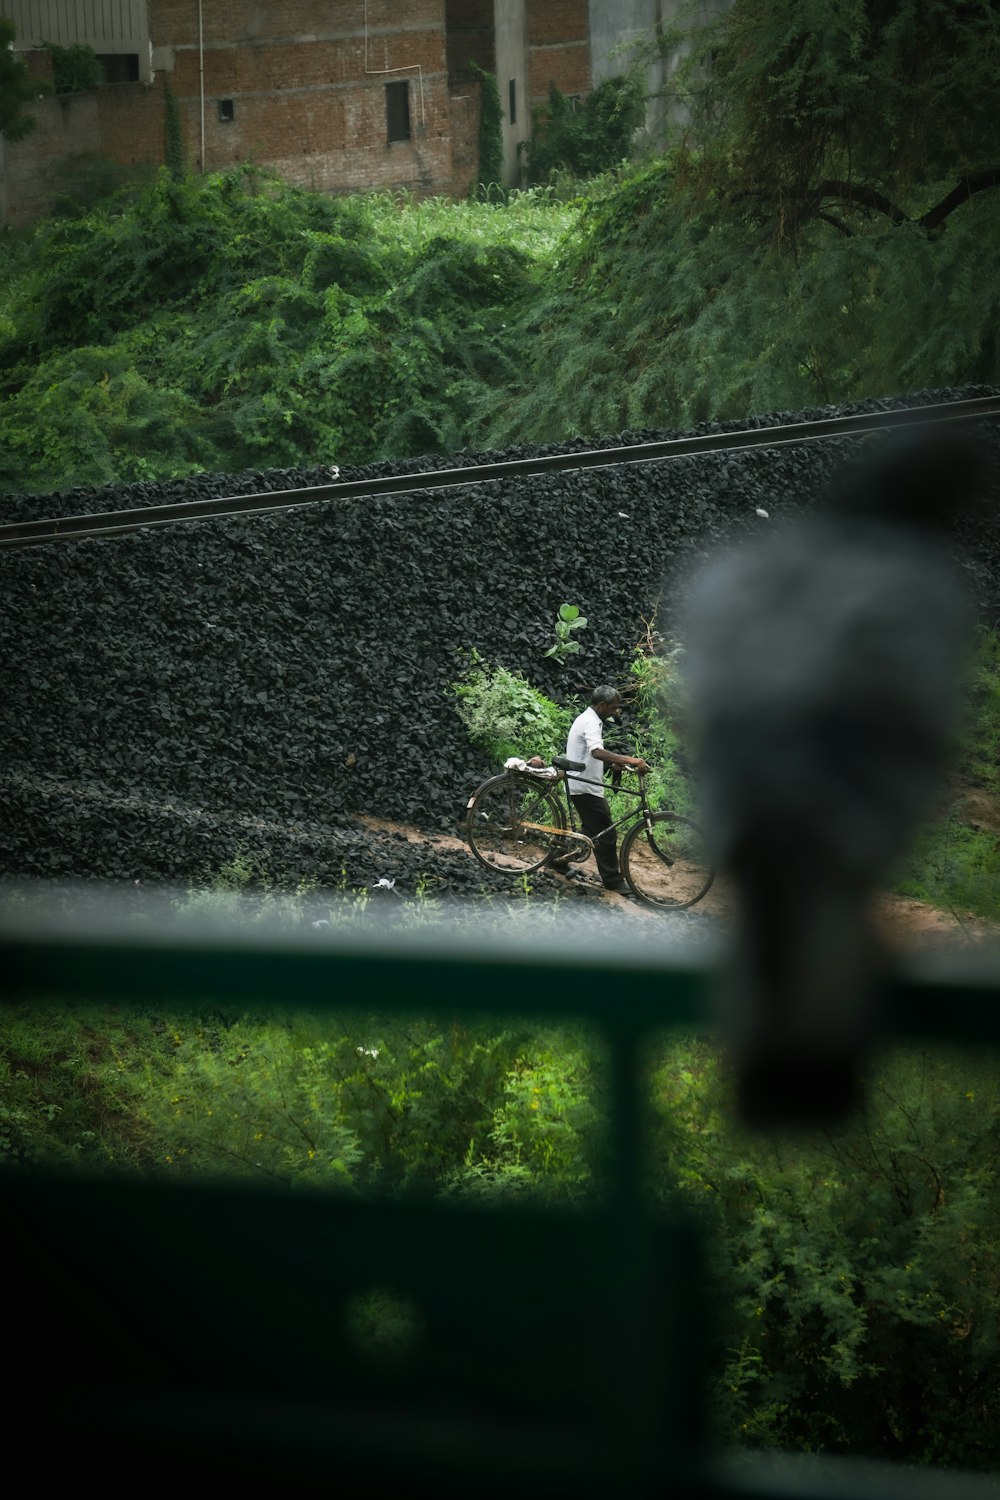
(586, 734)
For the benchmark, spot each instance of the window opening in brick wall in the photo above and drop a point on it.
(227, 110)
(397, 111)
(512, 101)
(119, 67)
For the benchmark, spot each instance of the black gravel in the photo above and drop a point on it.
(174, 696)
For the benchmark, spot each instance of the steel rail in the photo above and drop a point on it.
(110, 523)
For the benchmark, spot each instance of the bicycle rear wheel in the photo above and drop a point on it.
(666, 864)
(514, 825)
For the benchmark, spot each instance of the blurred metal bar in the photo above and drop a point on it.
(198, 1322)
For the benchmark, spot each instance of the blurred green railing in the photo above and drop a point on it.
(202, 1328)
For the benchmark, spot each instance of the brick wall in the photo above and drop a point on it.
(305, 98)
(123, 122)
(558, 47)
(556, 22)
(471, 38)
(464, 142)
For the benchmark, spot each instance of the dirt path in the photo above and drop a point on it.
(905, 923)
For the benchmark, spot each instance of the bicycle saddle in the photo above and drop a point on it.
(563, 763)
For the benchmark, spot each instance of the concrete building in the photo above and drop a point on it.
(620, 28)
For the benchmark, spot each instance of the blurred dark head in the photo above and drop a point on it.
(929, 477)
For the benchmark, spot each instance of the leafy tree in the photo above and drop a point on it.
(591, 137)
(17, 88)
(824, 226)
(845, 109)
(76, 68)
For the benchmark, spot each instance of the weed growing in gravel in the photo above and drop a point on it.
(568, 619)
(244, 888)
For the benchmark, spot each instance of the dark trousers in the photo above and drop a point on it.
(595, 816)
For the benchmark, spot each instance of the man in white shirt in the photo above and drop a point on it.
(585, 743)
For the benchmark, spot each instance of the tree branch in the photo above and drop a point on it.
(832, 219)
(855, 192)
(959, 195)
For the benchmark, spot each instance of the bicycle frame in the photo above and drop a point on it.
(662, 856)
(573, 831)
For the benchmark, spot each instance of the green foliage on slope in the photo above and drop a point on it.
(822, 226)
(670, 307)
(232, 321)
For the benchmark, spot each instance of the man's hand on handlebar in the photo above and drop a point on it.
(627, 763)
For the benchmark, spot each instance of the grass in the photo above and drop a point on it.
(533, 222)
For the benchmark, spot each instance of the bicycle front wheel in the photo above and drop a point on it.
(665, 863)
(514, 825)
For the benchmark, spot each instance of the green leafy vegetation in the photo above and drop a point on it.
(858, 1305)
(490, 179)
(173, 154)
(955, 863)
(858, 1284)
(505, 715)
(821, 224)
(568, 620)
(583, 138)
(18, 89)
(75, 68)
(658, 706)
(228, 322)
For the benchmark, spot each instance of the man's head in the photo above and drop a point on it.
(605, 700)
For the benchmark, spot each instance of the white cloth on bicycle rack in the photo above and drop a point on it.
(515, 763)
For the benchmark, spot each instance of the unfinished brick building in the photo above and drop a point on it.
(336, 95)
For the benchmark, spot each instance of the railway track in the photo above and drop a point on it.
(116, 523)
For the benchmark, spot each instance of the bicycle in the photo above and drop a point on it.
(516, 823)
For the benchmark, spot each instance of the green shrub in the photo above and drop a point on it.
(71, 1082)
(857, 1284)
(506, 716)
(76, 68)
(17, 88)
(243, 322)
(547, 1135)
(658, 701)
(954, 863)
(586, 139)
